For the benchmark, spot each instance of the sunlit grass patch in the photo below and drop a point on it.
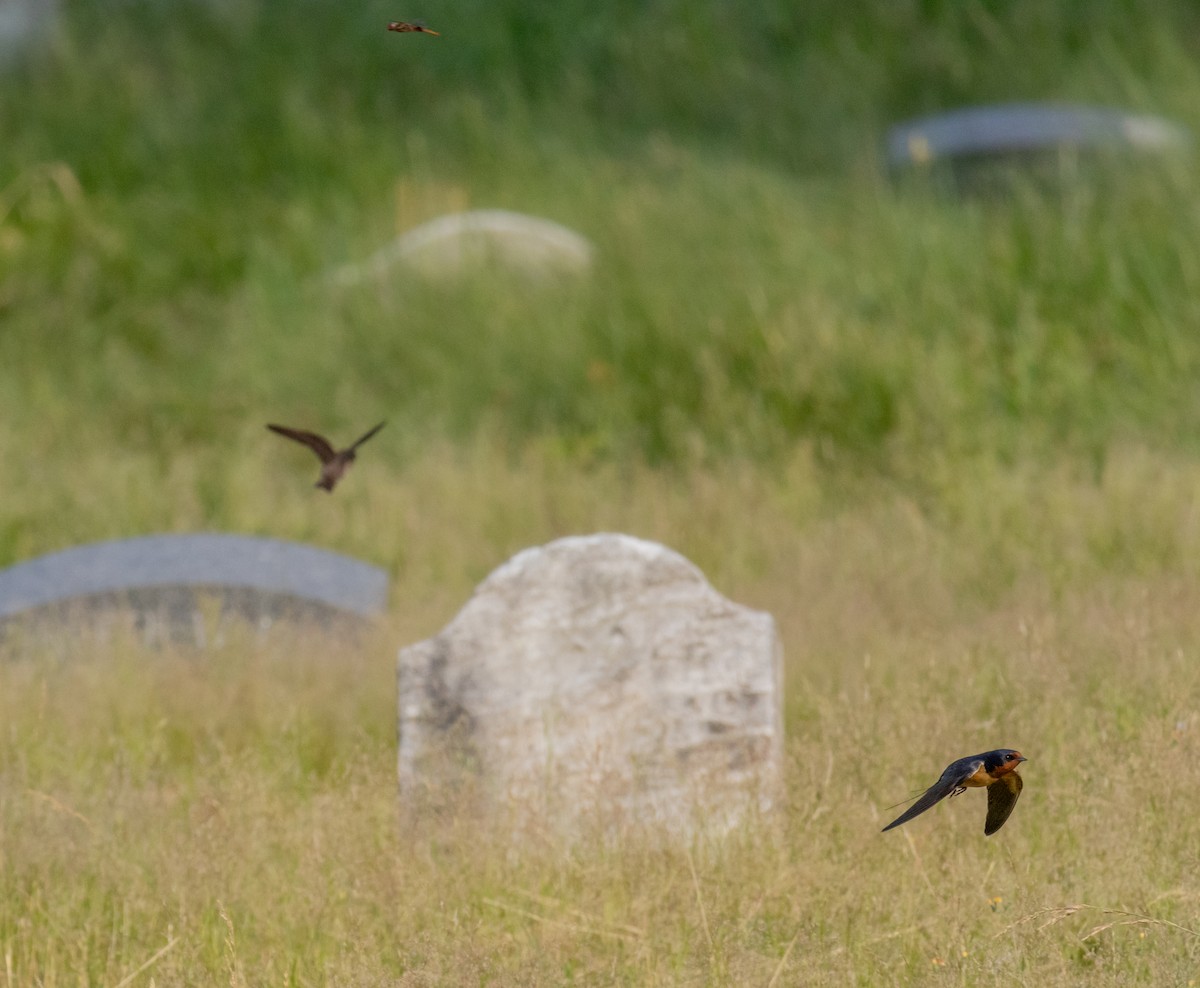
(239, 803)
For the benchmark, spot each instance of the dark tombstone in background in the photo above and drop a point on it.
(25, 27)
(970, 140)
(162, 580)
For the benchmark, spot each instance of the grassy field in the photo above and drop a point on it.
(950, 443)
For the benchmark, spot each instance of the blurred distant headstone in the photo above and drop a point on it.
(1015, 130)
(24, 24)
(461, 244)
(161, 579)
(596, 678)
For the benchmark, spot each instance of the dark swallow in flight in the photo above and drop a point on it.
(405, 26)
(334, 463)
(997, 770)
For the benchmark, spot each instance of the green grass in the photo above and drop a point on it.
(949, 442)
(170, 249)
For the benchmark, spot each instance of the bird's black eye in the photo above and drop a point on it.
(1012, 756)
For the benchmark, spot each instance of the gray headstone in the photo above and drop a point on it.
(257, 577)
(1019, 128)
(460, 244)
(596, 678)
(24, 25)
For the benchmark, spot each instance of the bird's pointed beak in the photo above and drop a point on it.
(1022, 759)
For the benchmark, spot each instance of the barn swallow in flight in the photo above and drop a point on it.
(405, 26)
(334, 463)
(997, 770)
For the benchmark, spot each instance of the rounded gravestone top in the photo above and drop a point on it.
(595, 550)
(243, 569)
(461, 244)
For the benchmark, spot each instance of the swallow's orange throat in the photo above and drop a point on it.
(1007, 767)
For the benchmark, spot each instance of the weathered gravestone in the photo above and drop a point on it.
(596, 678)
(160, 578)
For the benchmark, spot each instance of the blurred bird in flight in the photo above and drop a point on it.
(406, 26)
(334, 463)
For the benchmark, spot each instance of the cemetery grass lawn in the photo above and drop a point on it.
(951, 442)
(231, 816)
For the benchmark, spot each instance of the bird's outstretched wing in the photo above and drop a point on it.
(955, 775)
(318, 444)
(1002, 797)
(362, 439)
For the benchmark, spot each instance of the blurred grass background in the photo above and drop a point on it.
(950, 442)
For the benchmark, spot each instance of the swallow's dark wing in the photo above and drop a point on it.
(318, 444)
(1002, 797)
(954, 776)
(362, 439)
